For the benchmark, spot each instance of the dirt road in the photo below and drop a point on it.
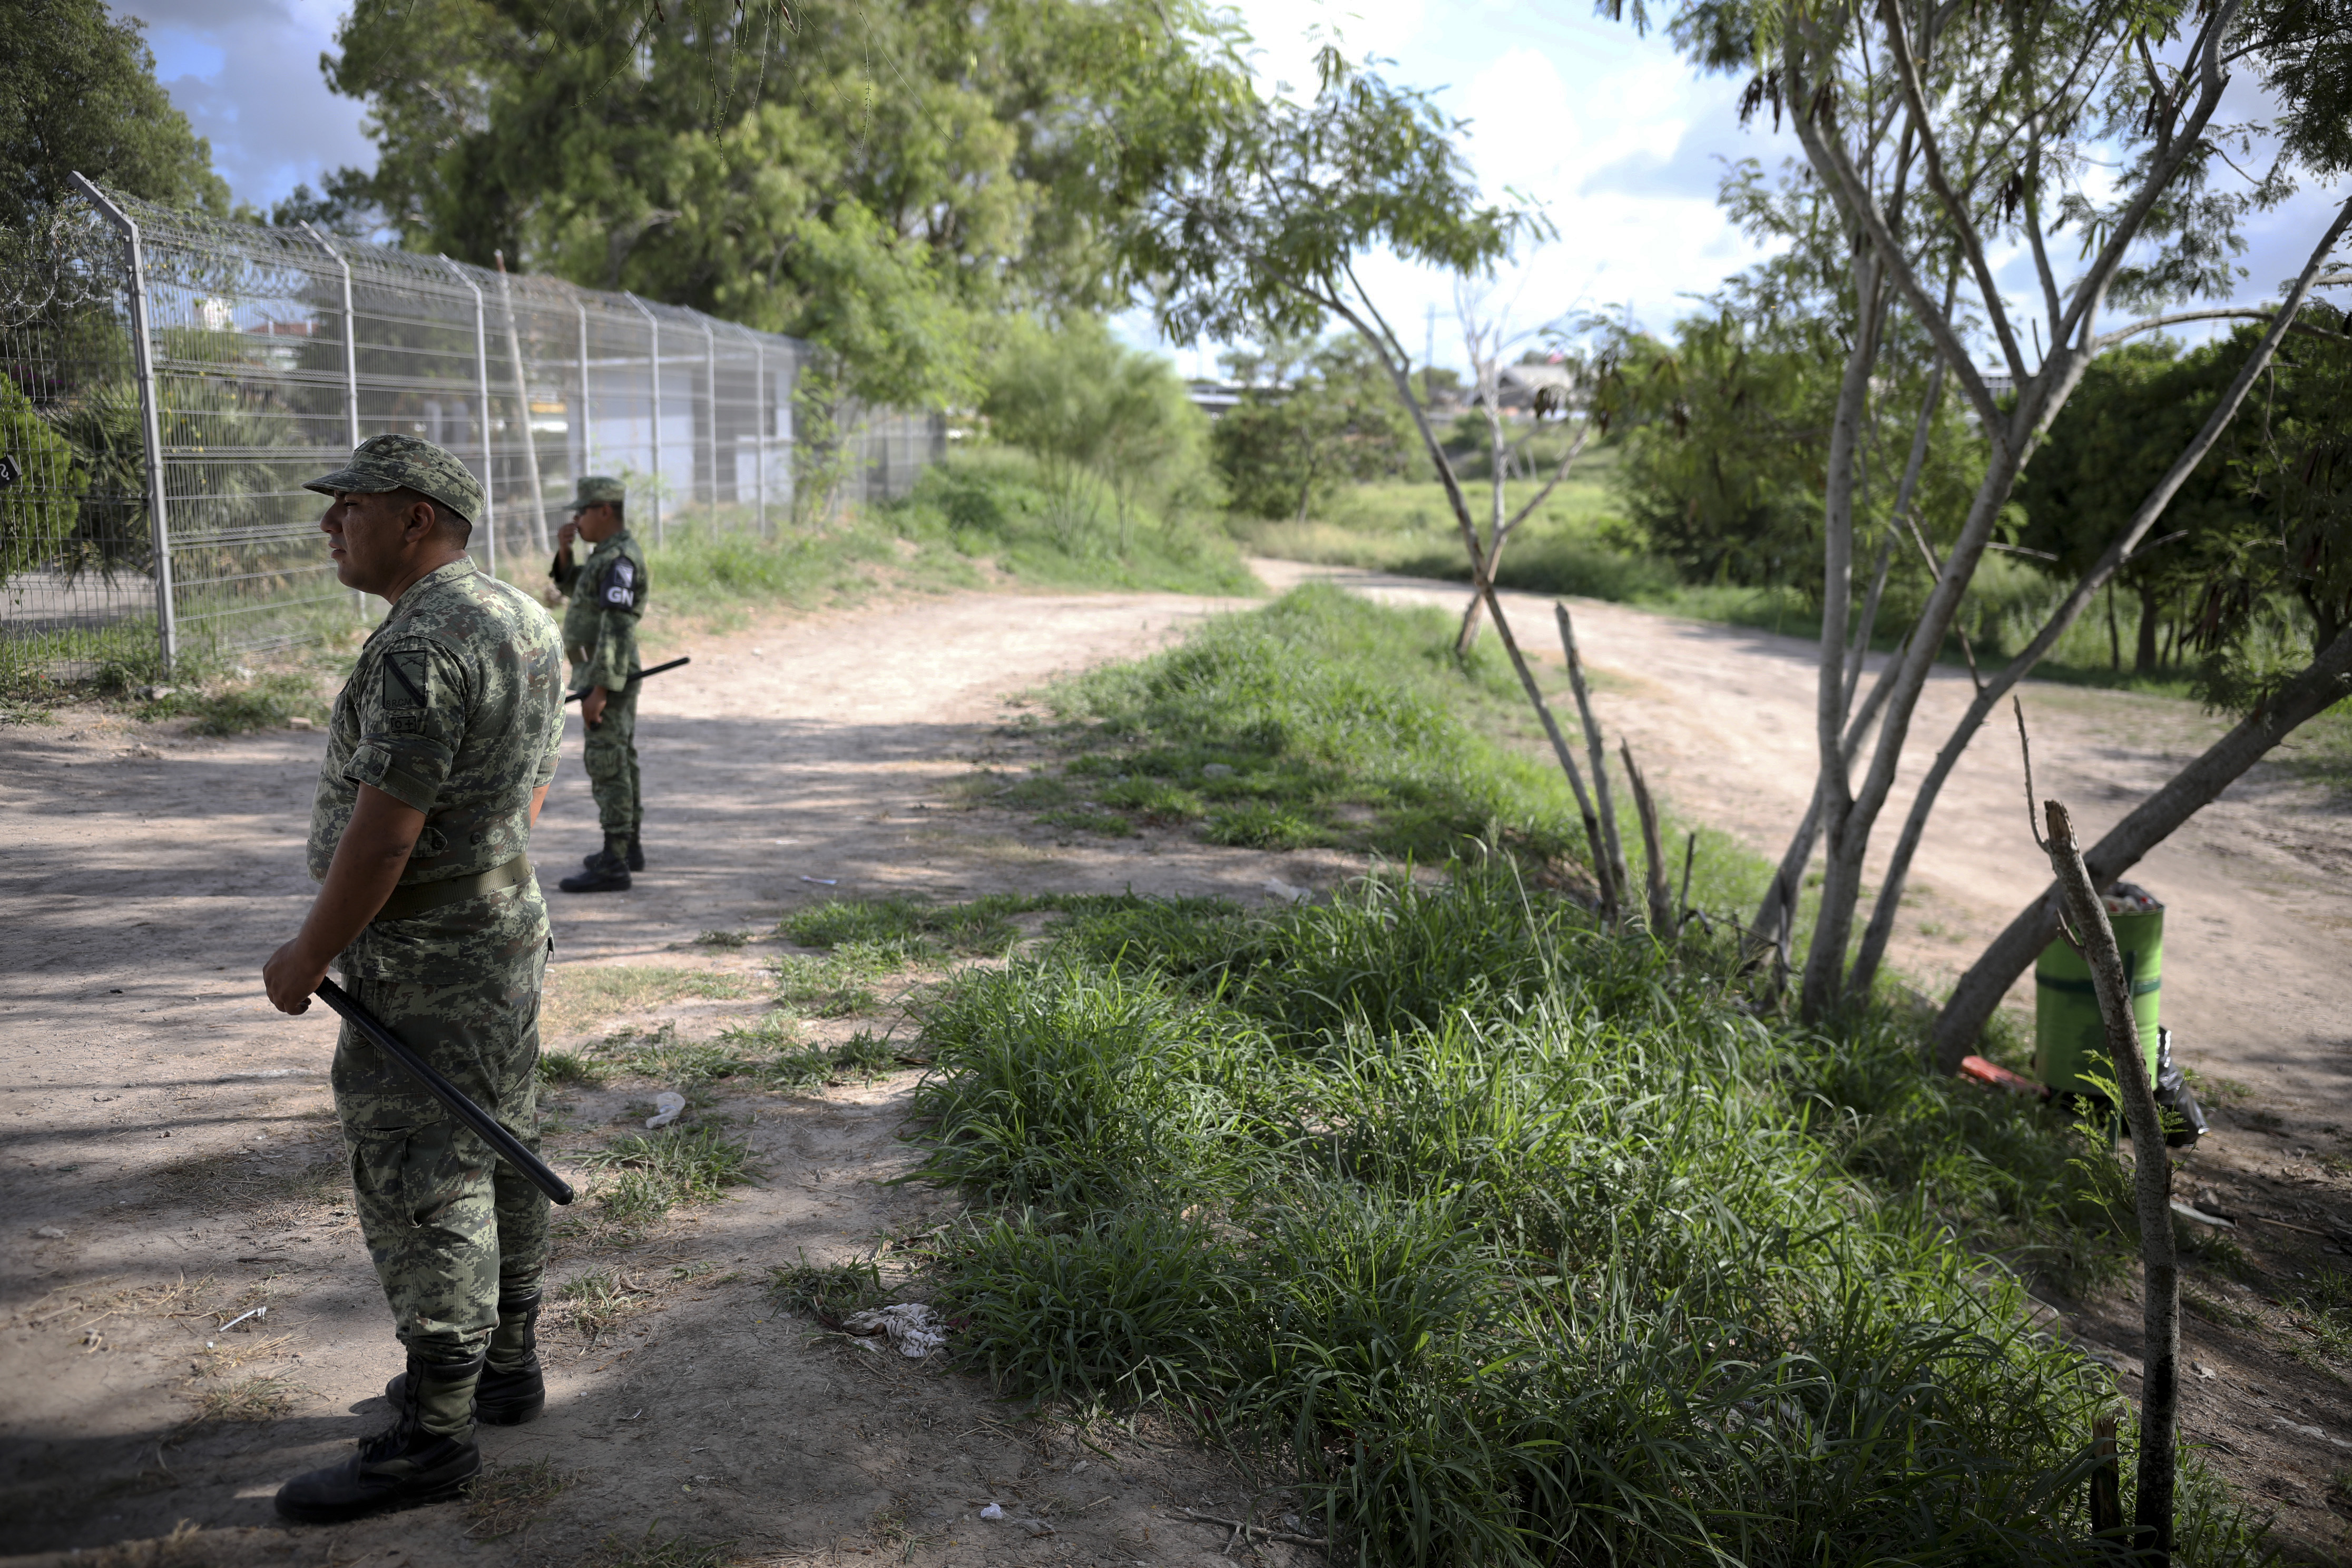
(2256, 985)
(168, 1162)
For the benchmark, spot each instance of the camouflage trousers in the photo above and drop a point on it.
(610, 759)
(450, 1228)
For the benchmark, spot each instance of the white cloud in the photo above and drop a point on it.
(245, 73)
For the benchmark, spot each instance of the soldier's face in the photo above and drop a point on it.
(598, 523)
(371, 538)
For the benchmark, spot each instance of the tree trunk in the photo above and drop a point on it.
(1497, 531)
(2159, 1404)
(1618, 885)
(2144, 648)
(1395, 362)
(2115, 638)
(2321, 684)
(1662, 909)
(1834, 791)
(2102, 573)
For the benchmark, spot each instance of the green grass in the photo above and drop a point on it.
(1504, 1237)
(1579, 544)
(991, 504)
(913, 931)
(837, 1289)
(266, 702)
(645, 1175)
(1327, 719)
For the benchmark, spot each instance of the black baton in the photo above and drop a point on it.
(638, 675)
(508, 1146)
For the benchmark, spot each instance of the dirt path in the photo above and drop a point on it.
(2256, 986)
(168, 1161)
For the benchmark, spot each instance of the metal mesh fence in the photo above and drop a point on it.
(173, 380)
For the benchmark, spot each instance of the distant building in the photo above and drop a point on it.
(1213, 397)
(1521, 383)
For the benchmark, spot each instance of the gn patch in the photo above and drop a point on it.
(407, 691)
(621, 584)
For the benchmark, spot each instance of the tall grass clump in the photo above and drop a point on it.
(1510, 1240)
(1289, 721)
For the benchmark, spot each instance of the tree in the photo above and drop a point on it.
(2290, 540)
(1099, 418)
(1312, 416)
(1942, 136)
(885, 179)
(2138, 405)
(78, 93)
(1262, 232)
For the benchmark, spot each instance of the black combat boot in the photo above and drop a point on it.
(606, 873)
(427, 1457)
(633, 857)
(512, 1390)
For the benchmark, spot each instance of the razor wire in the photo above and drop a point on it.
(154, 497)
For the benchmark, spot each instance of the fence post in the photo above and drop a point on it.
(710, 398)
(167, 625)
(482, 382)
(652, 367)
(587, 428)
(351, 367)
(522, 408)
(759, 425)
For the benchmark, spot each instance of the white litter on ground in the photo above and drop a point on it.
(668, 1106)
(911, 1326)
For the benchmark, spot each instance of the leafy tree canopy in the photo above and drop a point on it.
(78, 92)
(1316, 415)
(883, 178)
(1262, 232)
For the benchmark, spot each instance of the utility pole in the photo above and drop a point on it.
(1429, 355)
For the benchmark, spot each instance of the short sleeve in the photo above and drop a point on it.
(545, 772)
(618, 589)
(411, 717)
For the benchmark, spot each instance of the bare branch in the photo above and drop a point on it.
(1964, 226)
(2129, 221)
(2025, 747)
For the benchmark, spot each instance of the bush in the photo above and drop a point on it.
(1108, 427)
(1002, 503)
(38, 508)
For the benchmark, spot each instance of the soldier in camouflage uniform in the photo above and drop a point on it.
(438, 757)
(600, 635)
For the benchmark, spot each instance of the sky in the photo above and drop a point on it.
(1617, 142)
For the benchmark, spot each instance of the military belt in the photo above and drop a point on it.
(417, 898)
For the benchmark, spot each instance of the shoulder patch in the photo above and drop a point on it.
(407, 678)
(620, 583)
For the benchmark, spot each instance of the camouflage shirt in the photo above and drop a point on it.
(455, 706)
(600, 626)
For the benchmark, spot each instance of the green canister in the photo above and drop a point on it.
(2067, 1030)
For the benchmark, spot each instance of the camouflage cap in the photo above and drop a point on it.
(384, 463)
(595, 489)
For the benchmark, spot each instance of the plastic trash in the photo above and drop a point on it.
(911, 1327)
(2173, 1094)
(1282, 889)
(993, 1510)
(668, 1106)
